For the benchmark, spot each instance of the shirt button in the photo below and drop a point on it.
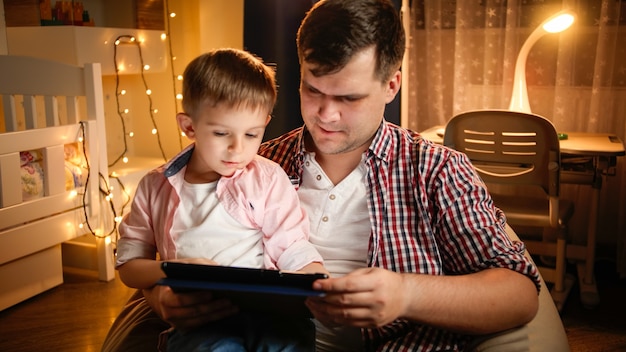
(307, 163)
(325, 219)
(332, 197)
(318, 177)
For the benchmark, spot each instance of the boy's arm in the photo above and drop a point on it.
(314, 268)
(141, 273)
(144, 273)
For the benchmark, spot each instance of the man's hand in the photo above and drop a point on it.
(368, 297)
(186, 310)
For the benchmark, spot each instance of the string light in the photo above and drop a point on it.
(104, 190)
(123, 40)
(168, 34)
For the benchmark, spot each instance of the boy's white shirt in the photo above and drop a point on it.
(202, 228)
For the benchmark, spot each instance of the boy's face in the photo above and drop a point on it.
(226, 139)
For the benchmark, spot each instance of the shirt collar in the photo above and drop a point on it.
(179, 161)
(382, 143)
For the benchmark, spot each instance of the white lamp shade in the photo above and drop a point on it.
(553, 24)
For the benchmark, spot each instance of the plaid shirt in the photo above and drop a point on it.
(430, 214)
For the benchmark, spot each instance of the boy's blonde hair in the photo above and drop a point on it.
(228, 76)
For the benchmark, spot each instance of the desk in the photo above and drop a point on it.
(585, 158)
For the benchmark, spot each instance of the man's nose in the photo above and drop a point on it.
(328, 110)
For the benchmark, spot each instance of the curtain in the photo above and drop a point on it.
(462, 56)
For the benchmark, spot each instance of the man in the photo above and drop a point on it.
(418, 253)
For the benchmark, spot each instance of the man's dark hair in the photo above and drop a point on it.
(333, 31)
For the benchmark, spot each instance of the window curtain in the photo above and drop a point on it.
(462, 55)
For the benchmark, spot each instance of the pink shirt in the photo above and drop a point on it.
(260, 196)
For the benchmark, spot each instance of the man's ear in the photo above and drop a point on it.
(185, 123)
(393, 86)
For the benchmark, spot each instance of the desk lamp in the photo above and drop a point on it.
(554, 24)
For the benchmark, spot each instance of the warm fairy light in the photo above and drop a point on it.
(73, 193)
(179, 77)
(149, 91)
(156, 111)
(118, 219)
(154, 131)
(173, 14)
(183, 134)
(117, 42)
(146, 67)
(121, 67)
(109, 197)
(179, 96)
(163, 36)
(123, 92)
(131, 134)
(132, 39)
(126, 111)
(81, 225)
(80, 139)
(125, 160)
(113, 174)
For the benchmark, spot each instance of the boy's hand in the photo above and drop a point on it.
(203, 261)
(187, 310)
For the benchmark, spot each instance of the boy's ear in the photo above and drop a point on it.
(267, 121)
(185, 123)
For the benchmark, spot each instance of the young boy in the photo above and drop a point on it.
(217, 202)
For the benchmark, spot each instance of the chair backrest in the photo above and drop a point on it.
(508, 147)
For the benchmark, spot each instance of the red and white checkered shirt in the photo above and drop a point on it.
(430, 214)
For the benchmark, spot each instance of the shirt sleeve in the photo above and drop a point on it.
(284, 223)
(473, 229)
(136, 235)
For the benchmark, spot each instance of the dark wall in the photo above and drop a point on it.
(270, 28)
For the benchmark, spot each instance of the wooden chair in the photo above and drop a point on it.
(517, 155)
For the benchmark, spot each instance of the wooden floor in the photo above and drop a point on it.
(76, 316)
(72, 317)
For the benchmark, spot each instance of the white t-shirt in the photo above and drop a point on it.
(202, 228)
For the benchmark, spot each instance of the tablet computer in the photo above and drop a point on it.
(261, 290)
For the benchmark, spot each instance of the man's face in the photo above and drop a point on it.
(343, 110)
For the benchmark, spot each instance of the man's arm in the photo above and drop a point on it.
(484, 302)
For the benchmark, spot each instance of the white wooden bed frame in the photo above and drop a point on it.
(44, 105)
